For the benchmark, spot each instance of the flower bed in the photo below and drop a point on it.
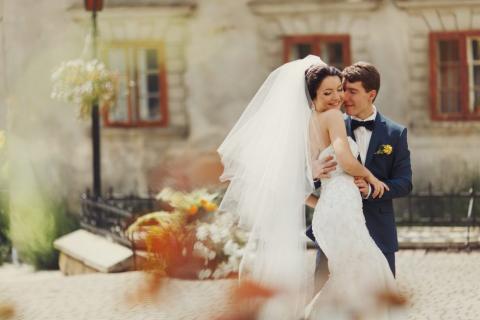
(194, 240)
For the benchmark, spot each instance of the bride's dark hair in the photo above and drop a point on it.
(315, 74)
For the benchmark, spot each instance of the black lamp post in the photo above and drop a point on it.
(94, 6)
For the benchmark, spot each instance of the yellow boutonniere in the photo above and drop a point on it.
(385, 149)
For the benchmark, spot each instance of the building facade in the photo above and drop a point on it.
(188, 69)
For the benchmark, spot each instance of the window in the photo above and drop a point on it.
(333, 49)
(142, 86)
(455, 75)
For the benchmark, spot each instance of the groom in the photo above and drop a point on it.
(383, 150)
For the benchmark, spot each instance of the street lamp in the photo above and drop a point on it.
(94, 6)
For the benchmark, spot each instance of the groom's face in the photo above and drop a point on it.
(357, 101)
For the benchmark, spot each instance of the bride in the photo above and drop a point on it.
(290, 122)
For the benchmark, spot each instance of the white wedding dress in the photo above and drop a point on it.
(266, 158)
(359, 272)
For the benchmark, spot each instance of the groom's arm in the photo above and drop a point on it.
(400, 182)
(312, 200)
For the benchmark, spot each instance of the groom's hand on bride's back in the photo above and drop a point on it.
(322, 168)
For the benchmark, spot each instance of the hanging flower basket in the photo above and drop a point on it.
(84, 83)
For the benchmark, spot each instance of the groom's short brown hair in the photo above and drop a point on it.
(364, 72)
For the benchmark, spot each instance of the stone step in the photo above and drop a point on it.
(84, 252)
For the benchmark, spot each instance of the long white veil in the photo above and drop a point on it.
(266, 158)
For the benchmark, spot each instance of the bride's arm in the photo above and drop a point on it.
(338, 137)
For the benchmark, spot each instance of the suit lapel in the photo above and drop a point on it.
(378, 131)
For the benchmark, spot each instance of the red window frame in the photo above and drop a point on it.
(135, 107)
(465, 114)
(315, 41)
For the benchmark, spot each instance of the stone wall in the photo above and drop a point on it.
(212, 72)
(393, 35)
(443, 152)
(128, 155)
(217, 55)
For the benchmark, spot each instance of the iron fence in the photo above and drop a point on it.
(431, 208)
(111, 215)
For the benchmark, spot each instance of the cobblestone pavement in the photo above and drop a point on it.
(440, 285)
(438, 237)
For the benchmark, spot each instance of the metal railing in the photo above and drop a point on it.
(111, 215)
(431, 208)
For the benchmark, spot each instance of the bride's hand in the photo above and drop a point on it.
(379, 187)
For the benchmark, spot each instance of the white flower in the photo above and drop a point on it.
(226, 219)
(83, 82)
(225, 233)
(211, 255)
(202, 232)
(204, 274)
(218, 273)
(241, 235)
(226, 269)
(222, 271)
(231, 248)
(215, 234)
(202, 251)
(216, 238)
(165, 194)
(234, 263)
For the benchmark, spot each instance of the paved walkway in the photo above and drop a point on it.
(438, 237)
(440, 285)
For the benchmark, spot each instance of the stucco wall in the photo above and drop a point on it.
(218, 54)
(393, 35)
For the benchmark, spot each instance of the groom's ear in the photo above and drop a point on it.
(372, 94)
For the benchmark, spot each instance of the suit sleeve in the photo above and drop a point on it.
(400, 181)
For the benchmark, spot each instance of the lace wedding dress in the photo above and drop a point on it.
(359, 271)
(266, 160)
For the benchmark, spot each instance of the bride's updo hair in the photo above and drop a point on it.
(315, 74)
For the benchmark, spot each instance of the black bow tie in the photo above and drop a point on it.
(369, 125)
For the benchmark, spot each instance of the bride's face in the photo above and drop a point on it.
(329, 94)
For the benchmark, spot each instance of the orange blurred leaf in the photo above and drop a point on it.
(390, 298)
(249, 290)
(7, 311)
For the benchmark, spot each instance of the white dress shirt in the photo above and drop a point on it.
(362, 137)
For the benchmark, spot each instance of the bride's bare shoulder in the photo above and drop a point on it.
(334, 113)
(329, 115)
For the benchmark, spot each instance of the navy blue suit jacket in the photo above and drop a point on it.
(395, 170)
